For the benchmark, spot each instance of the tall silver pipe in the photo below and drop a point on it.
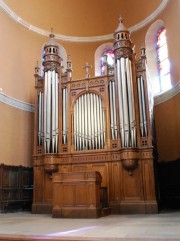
(80, 124)
(48, 116)
(120, 101)
(133, 130)
(114, 110)
(64, 116)
(125, 102)
(53, 125)
(143, 106)
(95, 120)
(130, 102)
(140, 107)
(39, 117)
(111, 110)
(45, 110)
(98, 123)
(42, 118)
(101, 124)
(85, 122)
(89, 122)
(92, 122)
(57, 110)
(77, 125)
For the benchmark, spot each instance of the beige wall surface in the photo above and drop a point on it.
(20, 48)
(16, 142)
(167, 121)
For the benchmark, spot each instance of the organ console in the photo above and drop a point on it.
(100, 124)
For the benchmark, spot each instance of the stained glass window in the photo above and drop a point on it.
(109, 55)
(163, 63)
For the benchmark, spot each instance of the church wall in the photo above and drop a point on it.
(167, 121)
(21, 49)
(16, 142)
(167, 114)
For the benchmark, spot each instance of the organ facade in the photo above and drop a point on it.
(100, 124)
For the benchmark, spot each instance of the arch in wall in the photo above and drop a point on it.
(151, 53)
(98, 53)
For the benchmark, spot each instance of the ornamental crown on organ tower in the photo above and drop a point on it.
(97, 123)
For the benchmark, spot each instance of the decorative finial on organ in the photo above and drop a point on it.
(69, 67)
(121, 26)
(87, 67)
(37, 69)
(51, 34)
(143, 51)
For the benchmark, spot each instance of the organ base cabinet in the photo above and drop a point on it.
(76, 195)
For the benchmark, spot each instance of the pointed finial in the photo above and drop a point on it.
(68, 58)
(51, 34)
(120, 19)
(121, 26)
(37, 68)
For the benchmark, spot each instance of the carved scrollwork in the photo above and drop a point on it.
(123, 52)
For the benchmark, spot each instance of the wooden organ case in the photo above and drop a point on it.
(100, 124)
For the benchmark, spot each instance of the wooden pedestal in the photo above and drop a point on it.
(76, 195)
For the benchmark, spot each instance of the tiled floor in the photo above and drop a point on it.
(164, 226)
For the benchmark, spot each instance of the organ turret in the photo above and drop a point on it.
(97, 124)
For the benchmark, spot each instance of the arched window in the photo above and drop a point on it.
(97, 57)
(163, 62)
(157, 58)
(107, 56)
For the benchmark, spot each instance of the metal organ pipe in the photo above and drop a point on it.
(57, 109)
(89, 123)
(142, 107)
(49, 113)
(126, 103)
(39, 117)
(120, 100)
(113, 110)
(131, 104)
(45, 110)
(53, 126)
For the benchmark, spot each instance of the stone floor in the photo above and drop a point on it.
(162, 226)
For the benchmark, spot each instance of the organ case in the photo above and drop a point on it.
(100, 124)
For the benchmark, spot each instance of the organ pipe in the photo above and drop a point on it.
(113, 110)
(89, 123)
(126, 103)
(142, 107)
(120, 101)
(56, 113)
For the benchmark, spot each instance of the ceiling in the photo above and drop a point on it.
(82, 17)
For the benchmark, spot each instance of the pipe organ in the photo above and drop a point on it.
(100, 124)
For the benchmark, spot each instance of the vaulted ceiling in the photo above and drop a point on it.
(82, 17)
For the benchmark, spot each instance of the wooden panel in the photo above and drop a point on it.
(38, 184)
(132, 186)
(148, 176)
(115, 184)
(79, 168)
(82, 194)
(76, 194)
(48, 191)
(102, 168)
(68, 195)
(14, 195)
